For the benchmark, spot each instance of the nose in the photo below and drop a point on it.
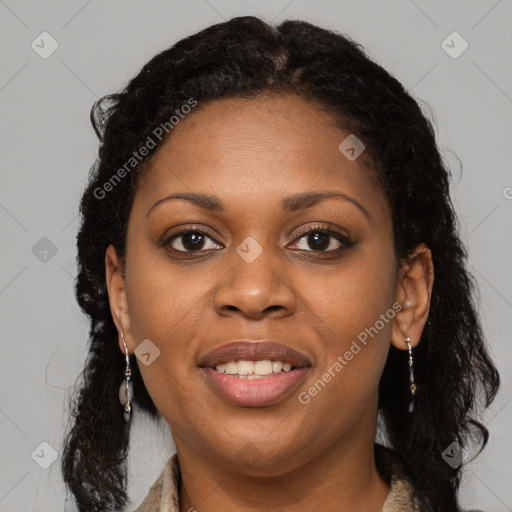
(255, 290)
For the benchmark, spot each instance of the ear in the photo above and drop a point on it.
(413, 292)
(115, 277)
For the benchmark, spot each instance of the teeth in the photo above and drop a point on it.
(263, 367)
(253, 369)
(245, 367)
(231, 368)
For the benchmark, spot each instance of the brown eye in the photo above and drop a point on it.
(191, 241)
(322, 239)
(319, 241)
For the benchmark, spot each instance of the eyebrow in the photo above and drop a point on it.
(289, 204)
(309, 199)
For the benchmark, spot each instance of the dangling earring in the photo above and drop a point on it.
(126, 389)
(411, 374)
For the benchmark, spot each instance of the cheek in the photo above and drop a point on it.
(166, 308)
(352, 306)
(161, 302)
(351, 296)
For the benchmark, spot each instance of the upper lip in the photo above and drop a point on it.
(253, 351)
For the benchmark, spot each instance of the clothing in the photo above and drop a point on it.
(163, 495)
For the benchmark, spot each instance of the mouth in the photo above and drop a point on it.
(254, 373)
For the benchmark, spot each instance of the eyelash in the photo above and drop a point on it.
(343, 238)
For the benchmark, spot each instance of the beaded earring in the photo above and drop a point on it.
(411, 374)
(126, 389)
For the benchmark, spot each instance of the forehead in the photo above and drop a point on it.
(260, 148)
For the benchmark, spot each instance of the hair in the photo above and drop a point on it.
(245, 57)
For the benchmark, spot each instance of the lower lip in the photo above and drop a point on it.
(255, 392)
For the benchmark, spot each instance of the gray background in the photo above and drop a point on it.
(48, 146)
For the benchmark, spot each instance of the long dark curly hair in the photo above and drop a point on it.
(244, 57)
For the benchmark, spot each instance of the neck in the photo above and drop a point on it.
(343, 473)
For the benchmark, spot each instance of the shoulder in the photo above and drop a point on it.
(401, 497)
(163, 495)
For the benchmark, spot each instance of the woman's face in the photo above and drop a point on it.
(273, 261)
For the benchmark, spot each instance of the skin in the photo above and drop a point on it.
(251, 154)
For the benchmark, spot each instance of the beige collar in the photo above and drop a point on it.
(163, 495)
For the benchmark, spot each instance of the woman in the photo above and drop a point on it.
(270, 261)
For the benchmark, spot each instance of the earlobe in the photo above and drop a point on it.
(115, 281)
(413, 292)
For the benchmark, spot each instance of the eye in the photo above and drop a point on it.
(191, 240)
(321, 239)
